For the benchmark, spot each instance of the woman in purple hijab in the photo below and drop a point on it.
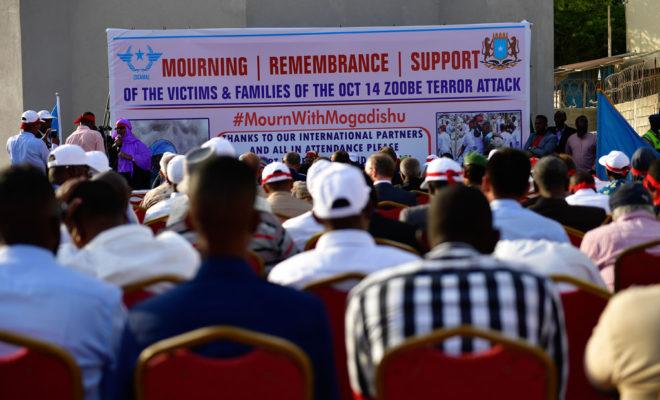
(133, 156)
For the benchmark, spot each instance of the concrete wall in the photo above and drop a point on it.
(11, 99)
(572, 113)
(71, 35)
(642, 26)
(637, 112)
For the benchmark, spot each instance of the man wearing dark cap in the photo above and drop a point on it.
(634, 222)
(226, 291)
(85, 136)
(640, 162)
(458, 283)
(653, 134)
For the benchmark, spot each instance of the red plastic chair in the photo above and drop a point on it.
(637, 266)
(38, 370)
(574, 235)
(390, 209)
(512, 370)
(334, 300)
(582, 309)
(158, 224)
(275, 369)
(137, 292)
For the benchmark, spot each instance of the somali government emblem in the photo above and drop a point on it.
(500, 51)
(139, 62)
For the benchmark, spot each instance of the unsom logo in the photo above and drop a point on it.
(137, 62)
(500, 51)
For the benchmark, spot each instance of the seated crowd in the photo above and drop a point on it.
(428, 246)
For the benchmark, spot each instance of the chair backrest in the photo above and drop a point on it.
(582, 309)
(511, 369)
(390, 209)
(334, 300)
(139, 212)
(398, 245)
(311, 242)
(158, 224)
(422, 197)
(574, 235)
(136, 292)
(257, 264)
(637, 266)
(38, 370)
(274, 369)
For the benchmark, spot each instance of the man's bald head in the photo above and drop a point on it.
(222, 194)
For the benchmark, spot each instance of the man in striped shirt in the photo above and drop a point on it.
(457, 284)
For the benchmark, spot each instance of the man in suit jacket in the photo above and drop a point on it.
(551, 177)
(561, 130)
(225, 290)
(410, 171)
(380, 169)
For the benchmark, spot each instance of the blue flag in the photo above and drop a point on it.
(614, 133)
(55, 125)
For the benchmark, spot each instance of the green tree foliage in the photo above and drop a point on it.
(581, 30)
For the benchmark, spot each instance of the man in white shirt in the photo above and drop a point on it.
(26, 147)
(506, 181)
(584, 192)
(444, 141)
(174, 177)
(117, 252)
(346, 246)
(550, 258)
(304, 226)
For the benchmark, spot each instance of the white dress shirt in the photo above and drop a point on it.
(589, 197)
(161, 209)
(302, 228)
(515, 222)
(41, 299)
(336, 252)
(550, 258)
(130, 253)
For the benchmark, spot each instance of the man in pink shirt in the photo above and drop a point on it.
(582, 145)
(634, 223)
(85, 136)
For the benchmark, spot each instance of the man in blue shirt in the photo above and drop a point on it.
(42, 299)
(225, 290)
(541, 142)
(26, 147)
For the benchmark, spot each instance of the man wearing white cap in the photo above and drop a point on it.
(98, 162)
(346, 246)
(174, 176)
(440, 172)
(26, 147)
(162, 191)
(68, 161)
(617, 165)
(221, 146)
(49, 136)
(277, 180)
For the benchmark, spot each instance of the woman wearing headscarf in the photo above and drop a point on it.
(133, 156)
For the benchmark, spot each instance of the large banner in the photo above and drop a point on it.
(421, 90)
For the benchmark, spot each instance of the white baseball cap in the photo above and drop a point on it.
(175, 169)
(616, 161)
(442, 169)
(67, 155)
(314, 171)
(275, 172)
(29, 117)
(340, 191)
(164, 160)
(221, 146)
(45, 114)
(97, 161)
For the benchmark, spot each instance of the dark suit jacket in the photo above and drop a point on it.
(387, 192)
(386, 228)
(582, 218)
(227, 292)
(411, 184)
(568, 131)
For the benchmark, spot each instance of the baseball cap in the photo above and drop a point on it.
(442, 169)
(221, 146)
(194, 159)
(314, 171)
(474, 158)
(175, 169)
(29, 117)
(330, 194)
(630, 194)
(616, 161)
(97, 161)
(641, 160)
(275, 172)
(166, 158)
(45, 114)
(86, 116)
(67, 155)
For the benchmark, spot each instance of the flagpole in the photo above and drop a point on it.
(59, 117)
